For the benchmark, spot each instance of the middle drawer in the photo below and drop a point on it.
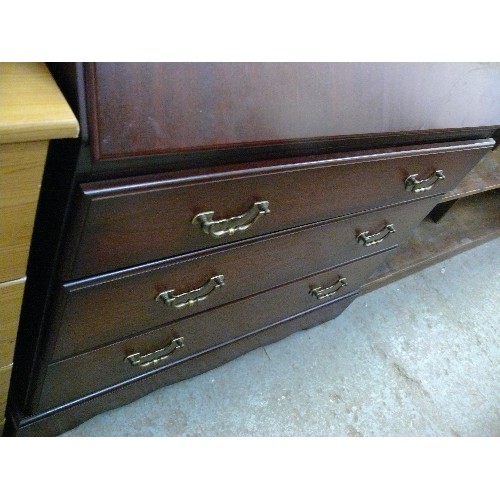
(96, 311)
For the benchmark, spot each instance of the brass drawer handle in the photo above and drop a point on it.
(192, 297)
(227, 227)
(368, 240)
(153, 358)
(413, 184)
(322, 293)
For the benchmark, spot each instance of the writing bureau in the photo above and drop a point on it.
(211, 208)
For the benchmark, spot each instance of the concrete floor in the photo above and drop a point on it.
(419, 357)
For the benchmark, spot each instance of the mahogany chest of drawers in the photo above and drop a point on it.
(200, 219)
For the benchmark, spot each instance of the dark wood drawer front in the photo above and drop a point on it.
(197, 334)
(133, 221)
(97, 311)
(125, 392)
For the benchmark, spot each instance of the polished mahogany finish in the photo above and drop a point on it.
(156, 108)
(200, 333)
(337, 155)
(96, 312)
(51, 423)
(122, 223)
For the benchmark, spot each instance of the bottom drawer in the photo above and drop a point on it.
(192, 336)
(64, 418)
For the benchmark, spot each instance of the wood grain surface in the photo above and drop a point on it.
(140, 110)
(157, 108)
(202, 333)
(11, 296)
(32, 108)
(5, 373)
(53, 423)
(485, 176)
(130, 221)
(21, 170)
(95, 314)
(471, 221)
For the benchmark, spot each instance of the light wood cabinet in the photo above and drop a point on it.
(32, 112)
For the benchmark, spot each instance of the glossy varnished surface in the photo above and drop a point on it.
(187, 113)
(152, 108)
(53, 423)
(201, 333)
(128, 222)
(97, 312)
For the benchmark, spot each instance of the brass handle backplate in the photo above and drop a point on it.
(228, 227)
(418, 186)
(155, 357)
(322, 293)
(368, 240)
(192, 297)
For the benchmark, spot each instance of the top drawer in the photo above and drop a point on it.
(131, 221)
